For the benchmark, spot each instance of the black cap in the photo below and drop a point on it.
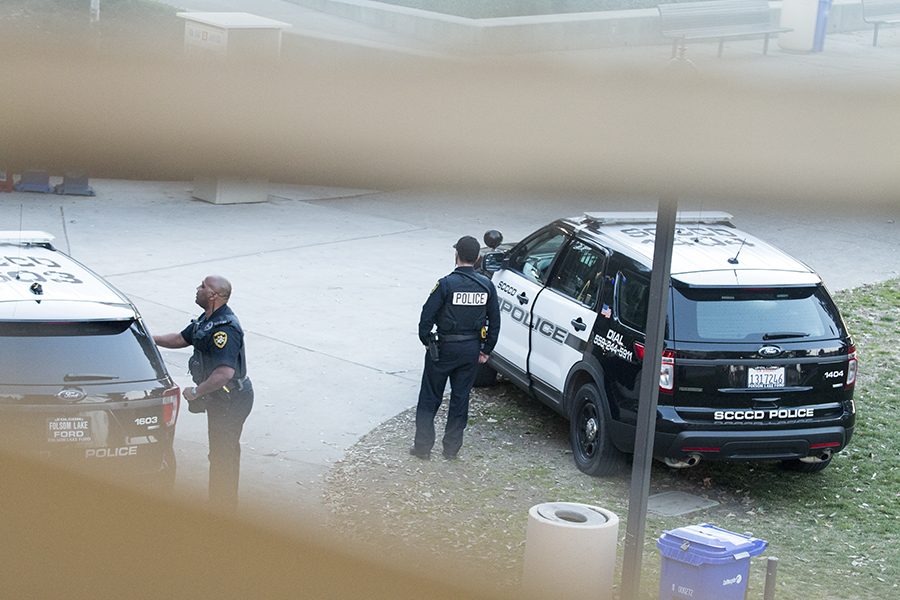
(468, 249)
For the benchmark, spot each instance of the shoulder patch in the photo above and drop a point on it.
(436, 286)
(220, 338)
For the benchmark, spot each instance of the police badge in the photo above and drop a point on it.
(220, 338)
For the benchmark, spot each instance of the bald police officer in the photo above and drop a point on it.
(223, 390)
(464, 308)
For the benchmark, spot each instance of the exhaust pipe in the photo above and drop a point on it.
(823, 456)
(691, 461)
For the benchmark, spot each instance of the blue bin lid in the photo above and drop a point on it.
(706, 544)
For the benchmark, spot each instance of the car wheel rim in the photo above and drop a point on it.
(589, 427)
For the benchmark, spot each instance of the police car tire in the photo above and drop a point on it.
(804, 467)
(485, 376)
(592, 447)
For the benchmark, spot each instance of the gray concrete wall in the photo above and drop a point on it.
(537, 33)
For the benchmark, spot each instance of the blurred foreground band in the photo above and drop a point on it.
(324, 114)
(75, 537)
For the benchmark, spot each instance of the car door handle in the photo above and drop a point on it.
(523, 299)
(578, 324)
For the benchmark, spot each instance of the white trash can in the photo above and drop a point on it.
(570, 552)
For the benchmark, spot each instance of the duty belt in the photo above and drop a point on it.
(454, 337)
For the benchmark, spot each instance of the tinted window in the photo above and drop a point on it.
(759, 315)
(580, 273)
(632, 297)
(533, 257)
(56, 353)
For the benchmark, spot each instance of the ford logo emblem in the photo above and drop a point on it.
(769, 351)
(70, 395)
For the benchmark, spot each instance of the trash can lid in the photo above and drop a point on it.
(571, 513)
(708, 544)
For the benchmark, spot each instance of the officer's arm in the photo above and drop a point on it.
(493, 315)
(430, 310)
(170, 340)
(219, 377)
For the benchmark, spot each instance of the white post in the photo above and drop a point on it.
(95, 11)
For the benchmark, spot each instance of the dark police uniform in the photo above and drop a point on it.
(219, 341)
(461, 305)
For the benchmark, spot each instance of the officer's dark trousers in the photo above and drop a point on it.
(226, 413)
(458, 362)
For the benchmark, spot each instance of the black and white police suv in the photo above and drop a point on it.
(757, 365)
(81, 381)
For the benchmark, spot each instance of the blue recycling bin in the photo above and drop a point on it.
(704, 562)
(808, 23)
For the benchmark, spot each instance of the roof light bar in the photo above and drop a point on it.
(26, 237)
(699, 217)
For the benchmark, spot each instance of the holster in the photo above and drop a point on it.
(197, 405)
(195, 367)
(434, 349)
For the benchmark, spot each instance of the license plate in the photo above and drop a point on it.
(68, 429)
(765, 377)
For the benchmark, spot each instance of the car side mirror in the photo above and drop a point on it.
(493, 262)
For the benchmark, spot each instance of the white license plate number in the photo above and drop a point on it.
(68, 430)
(765, 377)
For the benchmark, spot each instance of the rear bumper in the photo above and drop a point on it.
(138, 457)
(752, 445)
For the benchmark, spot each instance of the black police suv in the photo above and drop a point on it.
(757, 365)
(81, 381)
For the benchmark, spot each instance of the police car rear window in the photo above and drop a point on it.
(89, 352)
(755, 315)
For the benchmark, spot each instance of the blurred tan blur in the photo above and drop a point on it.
(326, 115)
(66, 536)
(329, 115)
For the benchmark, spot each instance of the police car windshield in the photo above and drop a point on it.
(88, 352)
(754, 315)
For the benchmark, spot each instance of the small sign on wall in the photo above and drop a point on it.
(203, 39)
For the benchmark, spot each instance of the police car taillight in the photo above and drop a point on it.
(852, 367)
(171, 401)
(639, 350)
(667, 372)
(667, 368)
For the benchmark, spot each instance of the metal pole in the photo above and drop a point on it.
(649, 394)
(771, 571)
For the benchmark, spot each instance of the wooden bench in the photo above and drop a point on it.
(881, 12)
(717, 19)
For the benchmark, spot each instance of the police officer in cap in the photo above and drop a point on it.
(463, 305)
(223, 390)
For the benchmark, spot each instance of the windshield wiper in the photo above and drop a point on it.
(88, 377)
(780, 335)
